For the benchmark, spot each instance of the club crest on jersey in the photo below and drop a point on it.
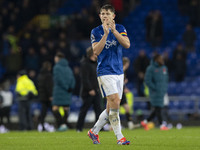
(110, 44)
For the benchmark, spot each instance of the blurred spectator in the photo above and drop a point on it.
(90, 92)
(64, 48)
(85, 28)
(51, 50)
(45, 88)
(44, 55)
(183, 6)
(7, 101)
(194, 12)
(12, 38)
(25, 90)
(189, 38)
(32, 74)
(168, 62)
(94, 11)
(32, 60)
(124, 102)
(76, 71)
(10, 41)
(129, 5)
(39, 42)
(179, 63)
(13, 63)
(64, 83)
(154, 27)
(25, 42)
(140, 64)
(156, 78)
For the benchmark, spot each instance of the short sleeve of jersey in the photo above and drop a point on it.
(95, 36)
(122, 30)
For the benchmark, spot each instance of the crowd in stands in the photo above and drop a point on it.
(25, 45)
(191, 9)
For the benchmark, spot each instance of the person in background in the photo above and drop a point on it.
(76, 71)
(126, 63)
(189, 38)
(45, 88)
(64, 83)
(90, 92)
(5, 105)
(140, 64)
(25, 91)
(154, 27)
(168, 62)
(156, 78)
(179, 63)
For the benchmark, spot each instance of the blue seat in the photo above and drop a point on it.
(14, 109)
(76, 103)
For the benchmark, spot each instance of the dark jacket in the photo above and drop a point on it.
(189, 38)
(156, 78)
(141, 63)
(88, 77)
(64, 82)
(45, 85)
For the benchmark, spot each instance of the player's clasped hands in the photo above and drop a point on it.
(112, 25)
(106, 27)
(109, 23)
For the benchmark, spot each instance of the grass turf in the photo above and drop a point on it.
(187, 138)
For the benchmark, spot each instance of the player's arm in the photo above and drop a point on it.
(123, 40)
(98, 46)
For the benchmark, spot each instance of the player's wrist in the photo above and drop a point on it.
(113, 31)
(105, 35)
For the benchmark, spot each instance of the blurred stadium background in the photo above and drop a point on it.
(33, 31)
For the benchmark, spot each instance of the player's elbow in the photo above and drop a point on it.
(127, 45)
(95, 53)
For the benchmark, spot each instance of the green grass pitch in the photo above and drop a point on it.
(187, 138)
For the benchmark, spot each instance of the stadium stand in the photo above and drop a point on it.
(68, 14)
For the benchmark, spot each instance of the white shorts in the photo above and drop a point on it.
(111, 84)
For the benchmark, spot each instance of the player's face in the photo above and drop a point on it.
(106, 15)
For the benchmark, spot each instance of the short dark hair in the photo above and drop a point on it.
(108, 7)
(89, 52)
(22, 72)
(156, 57)
(46, 65)
(60, 55)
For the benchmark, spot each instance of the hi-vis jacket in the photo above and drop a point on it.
(25, 86)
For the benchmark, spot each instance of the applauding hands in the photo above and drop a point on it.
(109, 24)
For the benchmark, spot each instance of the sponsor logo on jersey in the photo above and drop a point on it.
(110, 44)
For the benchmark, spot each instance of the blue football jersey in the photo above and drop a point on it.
(110, 59)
